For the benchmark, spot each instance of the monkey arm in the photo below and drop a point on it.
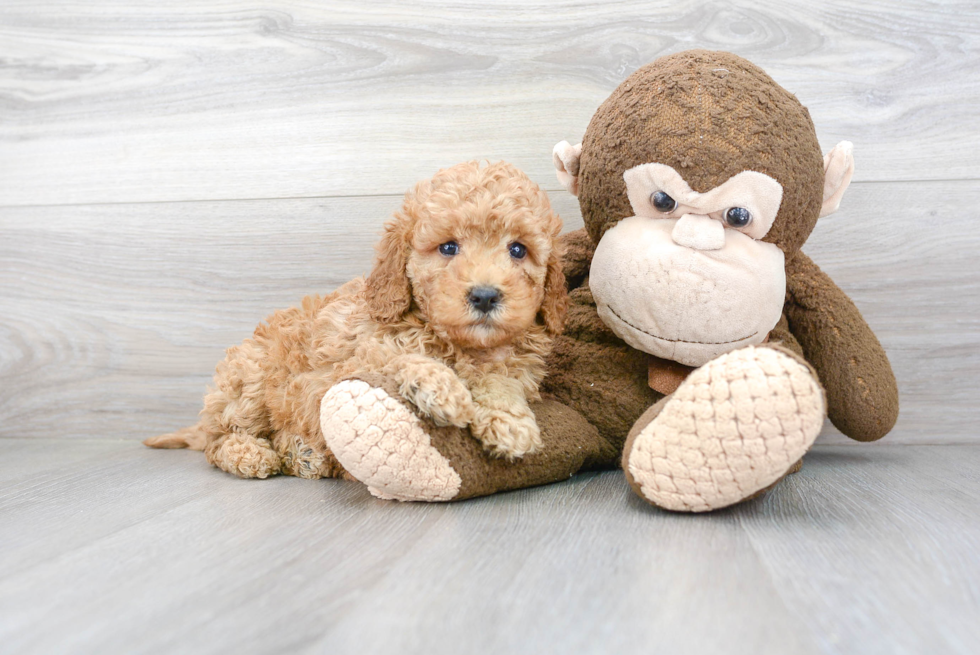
(862, 395)
(577, 249)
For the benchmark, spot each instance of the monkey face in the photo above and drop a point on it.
(698, 270)
(688, 277)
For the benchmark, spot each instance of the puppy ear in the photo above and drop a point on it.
(555, 302)
(388, 289)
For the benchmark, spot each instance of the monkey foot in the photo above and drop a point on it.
(381, 443)
(736, 426)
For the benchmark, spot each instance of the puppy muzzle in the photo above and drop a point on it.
(484, 299)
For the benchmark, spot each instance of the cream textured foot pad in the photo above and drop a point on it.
(382, 444)
(734, 427)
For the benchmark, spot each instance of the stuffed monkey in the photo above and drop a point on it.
(702, 349)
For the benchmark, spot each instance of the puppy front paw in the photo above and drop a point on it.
(505, 434)
(439, 394)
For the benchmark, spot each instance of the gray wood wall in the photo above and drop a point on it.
(171, 172)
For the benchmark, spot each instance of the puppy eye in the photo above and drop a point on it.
(518, 250)
(738, 217)
(663, 202)
(449, 248)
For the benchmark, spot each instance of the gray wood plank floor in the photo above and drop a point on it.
(171, 172)
(109, 547)
(198, 100)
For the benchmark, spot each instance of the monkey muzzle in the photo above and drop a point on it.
(698, 232)
(677, 291)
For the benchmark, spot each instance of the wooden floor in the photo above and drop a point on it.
(108, 547)
(171, 172)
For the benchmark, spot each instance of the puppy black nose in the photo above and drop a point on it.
(484, 299)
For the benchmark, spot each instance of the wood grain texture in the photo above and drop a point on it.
(115, 315)
(124, 549)
(130, 101)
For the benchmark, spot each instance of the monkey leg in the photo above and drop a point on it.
(735, 427)
(381, 442)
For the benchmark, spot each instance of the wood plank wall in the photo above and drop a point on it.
(170, 172)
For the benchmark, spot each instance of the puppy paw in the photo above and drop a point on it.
(245, 456)
(507, 435)
(439, 394)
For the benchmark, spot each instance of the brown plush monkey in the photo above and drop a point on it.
(700, 339)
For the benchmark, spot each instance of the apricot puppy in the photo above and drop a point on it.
(460, 310)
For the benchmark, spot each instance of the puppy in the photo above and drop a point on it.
(460, 311)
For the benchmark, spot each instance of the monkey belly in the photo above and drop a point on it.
(592, 371)
(683, 304)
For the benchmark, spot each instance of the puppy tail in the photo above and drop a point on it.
(192, 437)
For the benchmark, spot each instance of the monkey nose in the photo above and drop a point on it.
(484, 299)
(699, 232)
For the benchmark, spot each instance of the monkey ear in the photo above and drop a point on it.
(555, 303)
(387, 287)
(838, 167)
(565, 157)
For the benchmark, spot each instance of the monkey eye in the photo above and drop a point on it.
(738, 217)
(449, 248)
(662, 202)
(518, 250)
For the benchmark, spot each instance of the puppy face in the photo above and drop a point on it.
(478, 274)
(479, 257)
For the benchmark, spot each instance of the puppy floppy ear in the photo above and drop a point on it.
(388, 289)
(555, 302)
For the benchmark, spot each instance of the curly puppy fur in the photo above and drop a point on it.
(413, 318)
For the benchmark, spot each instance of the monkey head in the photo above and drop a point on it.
(698, 179)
